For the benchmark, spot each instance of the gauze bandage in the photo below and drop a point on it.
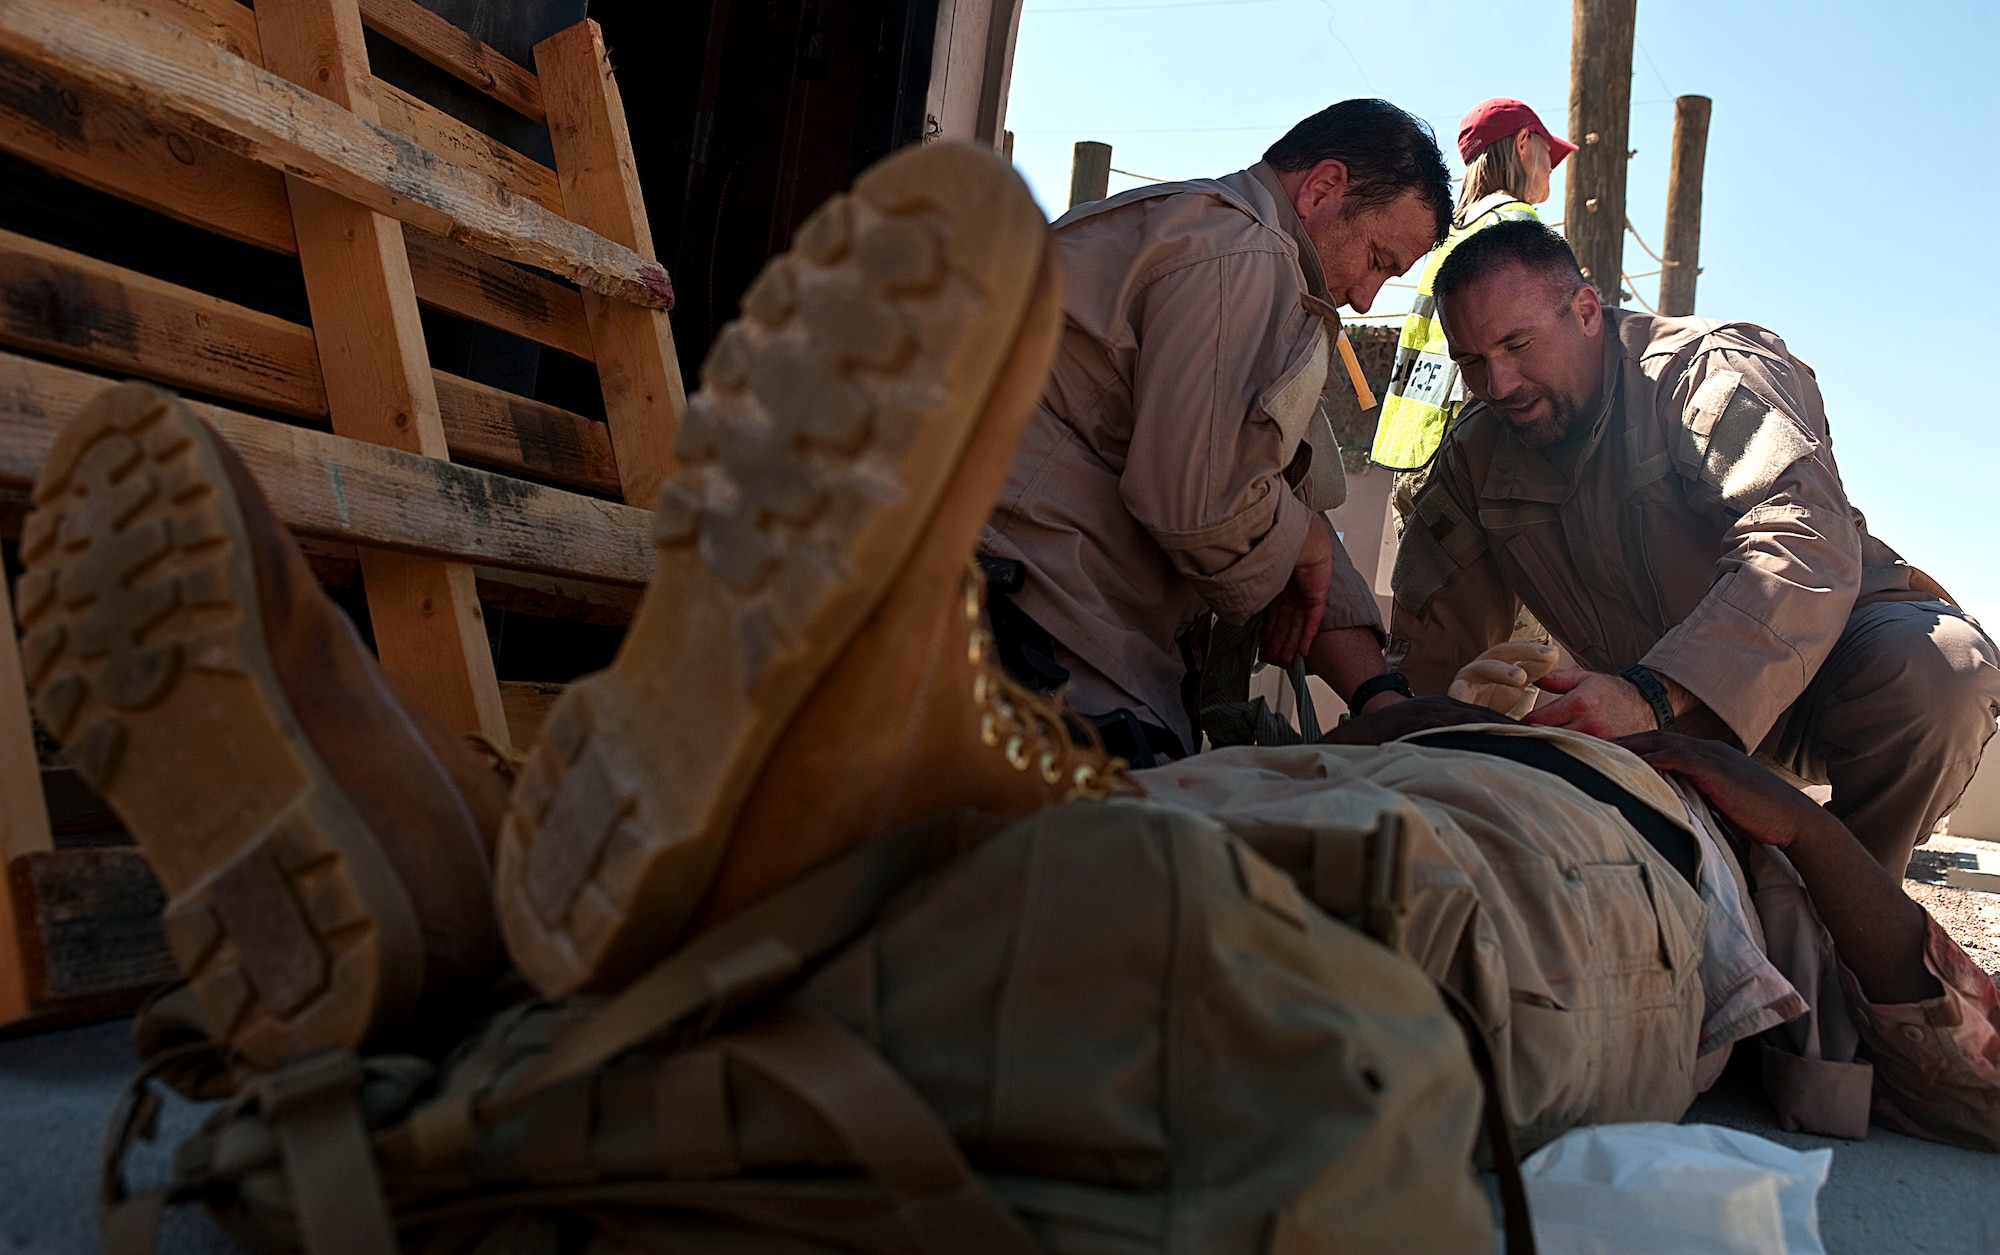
(1503, 677)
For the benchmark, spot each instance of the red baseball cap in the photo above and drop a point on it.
(1498, 119)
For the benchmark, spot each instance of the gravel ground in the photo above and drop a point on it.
(1971, 916)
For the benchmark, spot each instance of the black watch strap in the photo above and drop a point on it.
(1387, 682)
(1654, 692)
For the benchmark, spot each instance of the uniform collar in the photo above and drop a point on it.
(1523, 473)
(1286, 219)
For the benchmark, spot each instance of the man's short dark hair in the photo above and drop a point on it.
(1542, 252)
(1387, 152)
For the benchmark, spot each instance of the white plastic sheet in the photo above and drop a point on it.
(1667, 1189)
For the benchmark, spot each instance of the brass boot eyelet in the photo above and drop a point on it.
(1017, 754)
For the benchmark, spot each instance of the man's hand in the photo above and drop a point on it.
(1756, 802)
(1291, 621)
(1879, 933)
(1593, 703)
(1501, 678)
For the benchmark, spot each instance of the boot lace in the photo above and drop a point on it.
(1031, 729)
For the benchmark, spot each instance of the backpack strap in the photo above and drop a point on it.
(131, 1226)
(312, 1107)
(755, 952)
(1520, 1225)
(893, 1133)
(127, 1223)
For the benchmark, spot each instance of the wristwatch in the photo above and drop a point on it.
(1654, 692)
(1387, 682)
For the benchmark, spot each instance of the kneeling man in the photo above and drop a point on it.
(1662, 494)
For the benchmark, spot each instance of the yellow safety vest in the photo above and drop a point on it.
(1418, 409)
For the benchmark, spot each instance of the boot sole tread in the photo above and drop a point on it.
(142, 642)
(829, 418)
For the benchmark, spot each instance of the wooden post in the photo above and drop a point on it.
(1600, 107)
(429, 629)
(1682, 255)
(1089, 173)
(24, 812)
(644, 397)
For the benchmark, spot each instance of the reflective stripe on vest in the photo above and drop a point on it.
(1417, 410)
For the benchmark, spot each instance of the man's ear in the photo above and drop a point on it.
(1589, 310)
(1324, 184)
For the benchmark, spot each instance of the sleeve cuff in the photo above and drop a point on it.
(1733, 663)
(1249, 583)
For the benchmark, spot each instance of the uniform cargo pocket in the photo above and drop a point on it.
(1626, 933)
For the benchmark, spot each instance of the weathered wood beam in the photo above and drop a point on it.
(84, 136)
(90, 925)
(178, 79)
(24, 816)
(457, 53)
(63, 304)
(544, 596)
(429, 631)
(343, 490)
(233, 27)
(528, 704)
(637, 366)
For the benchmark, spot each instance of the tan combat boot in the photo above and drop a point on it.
(324, 848)
(807, 669)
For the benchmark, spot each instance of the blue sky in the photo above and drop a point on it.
(1847, 203)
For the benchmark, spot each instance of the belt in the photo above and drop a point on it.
(1673, 842)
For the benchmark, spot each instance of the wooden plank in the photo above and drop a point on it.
(67, 305)
(327, 486)
(544, 596)
(100, 143)
(641, 376)
(487, 425)
(233, 27)
(468, 283)
(24, 816)
(429, 632)
(527, 705)
(90, 923)
(181, 80)
(455, 52)
(549, 597)
(434, 129)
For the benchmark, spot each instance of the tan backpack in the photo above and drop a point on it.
(1113, 1030)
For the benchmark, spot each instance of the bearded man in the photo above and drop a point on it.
(1662, 494)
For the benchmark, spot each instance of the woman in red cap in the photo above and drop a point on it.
(1508, 157)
